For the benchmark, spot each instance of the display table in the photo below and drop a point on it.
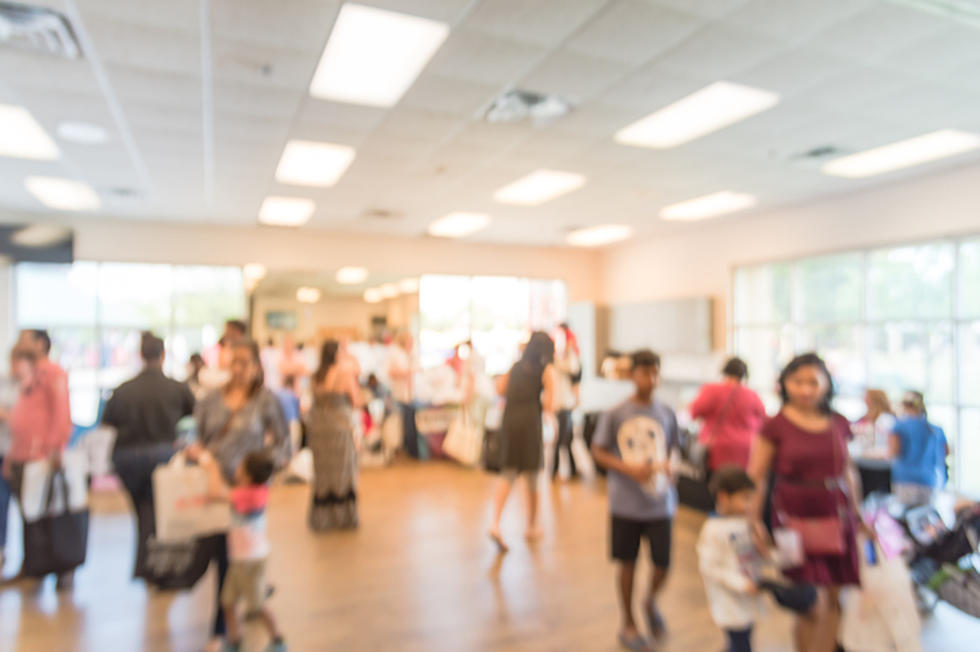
(875, 474)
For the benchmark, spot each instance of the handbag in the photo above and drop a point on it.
(463, 441)
(178, 565)
(57, 542)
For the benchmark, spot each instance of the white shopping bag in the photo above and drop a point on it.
(300, 468)
(183, 510)
(464, 441)
(35, 483)
(881, 616)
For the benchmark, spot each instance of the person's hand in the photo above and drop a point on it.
(867, 531)
(752, 589)
(761, 537)
(193, 452)
(4, 413)
(641, 473)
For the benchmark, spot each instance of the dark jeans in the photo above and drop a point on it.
(564, 440)
(220, 558)
(739, 640)
(4, 508)
(410, 432)
(134, 466)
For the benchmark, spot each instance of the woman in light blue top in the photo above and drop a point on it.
(919, 450)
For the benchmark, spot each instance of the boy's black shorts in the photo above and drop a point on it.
(627, 533)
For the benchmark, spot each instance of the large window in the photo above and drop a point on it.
(496, 313)
(896, 318)
(95, 312)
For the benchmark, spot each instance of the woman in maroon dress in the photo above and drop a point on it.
(804, 449)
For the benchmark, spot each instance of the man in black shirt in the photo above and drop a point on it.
(145, 411)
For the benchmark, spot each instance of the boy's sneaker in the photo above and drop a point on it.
(277, 645)
(655, 620)
(231, 647)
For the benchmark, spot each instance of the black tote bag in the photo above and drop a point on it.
(55, 543)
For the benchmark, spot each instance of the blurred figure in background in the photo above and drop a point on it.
(8, 398)
(288, 396)
(919, 449)
(40, 422)
(270, 365)
(216, 376)
(240, 418)
(194, 366)
(732, 414)
(331, 438)
(144, 412)
(530, 390)
(874, 429)
(400, 370)
(290, 359)
(568, 366)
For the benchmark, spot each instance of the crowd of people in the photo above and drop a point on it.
(784, 489)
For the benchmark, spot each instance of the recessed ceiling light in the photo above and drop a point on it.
(709, 109)
(711, 205)
(389, 290)
(409, 285)
(22, 137)
(373, 56)
(307, 163)
(459, 225)
(538, 187)
(286, 211)
(40, 235)
(82, 133)
(351, 275)
(373, 295)
(903, 154)
(596, 236)
(63, 194)
(307, 295)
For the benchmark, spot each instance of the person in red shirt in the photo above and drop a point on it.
(732, 415)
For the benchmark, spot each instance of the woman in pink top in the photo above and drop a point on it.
(731, 414)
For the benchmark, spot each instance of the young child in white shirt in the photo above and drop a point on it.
(728, 559)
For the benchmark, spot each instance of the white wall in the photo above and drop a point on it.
(699, 262)
(305, 249)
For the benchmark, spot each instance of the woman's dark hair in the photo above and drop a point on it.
(808, 360)
(253, 349)
(736, 368)
(328, 358)
(540, 350)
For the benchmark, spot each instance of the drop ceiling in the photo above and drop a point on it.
(197, 138)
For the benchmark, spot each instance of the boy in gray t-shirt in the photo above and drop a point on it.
(634, 441)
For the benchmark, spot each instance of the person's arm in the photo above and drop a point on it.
(549, 396)
(713, 551)
(217, 489)
(354, 390)
(276, 430)
(55, 388)
(187, 401)
(700, 407)
(501, 383)
(894, 446)
(760, 464)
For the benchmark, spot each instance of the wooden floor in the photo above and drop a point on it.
(418, 575)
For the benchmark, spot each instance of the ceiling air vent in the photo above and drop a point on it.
(37, 29)
(517, 105)
(963, 11)
(815, 157)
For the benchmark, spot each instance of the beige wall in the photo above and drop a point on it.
(332, 312)
(304, 249)
(699, 262)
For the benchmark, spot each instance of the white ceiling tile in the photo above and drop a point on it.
(709, 8)
(856, 85)
(427, 126)
(794, 20)
(272, 103)
(883, 28)
(154, 87)
(634, 32)
(574, 77)
(481, 58)
(720, 51)
(447, 11)
(933, 56)
(178, 15)
(793, 70)
(254, 130)
(433, 92)
(148, 47)
(595, 120)
(542, 22)
(652, 87)
(302, 25)
(282, 67)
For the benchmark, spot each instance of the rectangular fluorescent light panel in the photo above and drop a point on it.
(351, 275)
(373, 56)
(286, 211)
(307, 163)
(22, 137)
(538, 187)
(906, 153)
(596, 236)
(711, 205)
(709, 109)
(459, 225)
(63, 194)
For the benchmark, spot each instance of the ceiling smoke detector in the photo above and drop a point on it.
(517, 105)
(37, 29)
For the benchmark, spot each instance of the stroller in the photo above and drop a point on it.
(943, 560)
